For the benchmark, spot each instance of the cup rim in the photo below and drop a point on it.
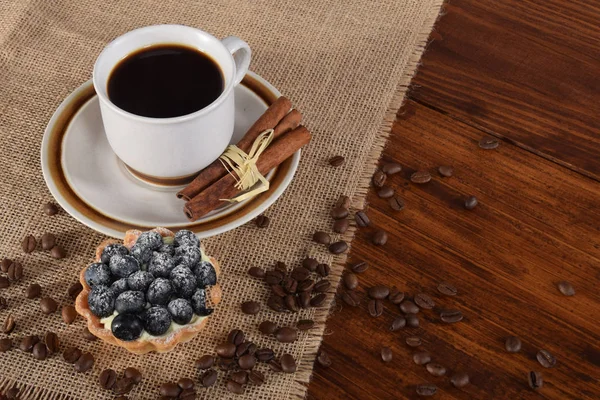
(103, 96)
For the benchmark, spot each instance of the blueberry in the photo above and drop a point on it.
(167, 248)
(101, 301)
(199, 303)
(159, 291)
(98, 274)
(119, 286)
(123, 266)
(157, 320)
(150, 239)
(205, 274)
(130, 302)
(142, 254)
(112, 250)
(127, 327)
(188, 255)
(181, 311)
(140, 280)
(183, 281)
(186, 238)
(161, 265)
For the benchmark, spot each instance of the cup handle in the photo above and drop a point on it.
(241, 56)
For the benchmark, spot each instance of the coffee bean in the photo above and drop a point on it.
(336, 161)
(460, 379)
(378, 292)
(286, 335)
(226, 349)
(324, 269)
(321, 237)
(300, 273)
(89, 336)
(351, 298)
(446, 171)
(52, 342)
(267, 327)
(413, 341)
(243, 348)
(169, 389)
(359, 267)
(310, 264)
(251, 307)
(264, 355)
(451, 316)
(305, 324)
(9, 324)
(546, 359)
(396, 203)
(57, 252)
(350, 280)
(395, 296)
(240, 377)
(123, 386)
(15, 272)
(362, 219)
(29, 244)
(385, 192)
(12, 393)
(290, 302)
(69, 314)
(343, 202)
(288, 364)
(262, 221)
(375, 308)
(34, 290)
(84, 363)
(247, 361)
(50, 209)
(281, 267)
(318, 300)
(391, 168)
(512, 344)
(187, 394)
(436, 369)
(306, 285)
(256, 272)
(566, 288)
(39, 351)
(234, 387)
(48, 241)
(379, 178)
(5, 345)
(408, 307)
(74, 290)
(256, 377)
(421, 357)
(28, 342)
(420, 177)
(278, 290)
(4, 283)
(48, 305)
(275, 303)
(290, 285)
(3, 303)
(208, 378)
(5, 264)
(379, 238)
(535, 379)
(424, 301)
(426, 390)
(135, 375)
(205, 362)
(107, 379)
(273, 277)
(398, 323)
(341, 226)
(71, 354)
(386, 354)
(412, 321)
(339, 213)
(470, 202)
(488, 143)
(447, 289)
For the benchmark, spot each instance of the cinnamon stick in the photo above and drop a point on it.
(224, 188)
(269, 120)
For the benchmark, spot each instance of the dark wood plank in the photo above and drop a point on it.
(524, 70)
(537, 223)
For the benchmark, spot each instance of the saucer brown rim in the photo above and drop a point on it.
(57, 174)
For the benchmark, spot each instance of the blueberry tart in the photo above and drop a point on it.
(151, 292)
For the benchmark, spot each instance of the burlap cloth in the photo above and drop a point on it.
(344, 63)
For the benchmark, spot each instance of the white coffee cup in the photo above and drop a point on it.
(168, 150)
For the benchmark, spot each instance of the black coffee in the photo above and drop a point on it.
(166, 80)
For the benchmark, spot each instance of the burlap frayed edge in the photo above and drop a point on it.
(304, 372)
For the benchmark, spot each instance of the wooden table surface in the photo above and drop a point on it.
(527, 72)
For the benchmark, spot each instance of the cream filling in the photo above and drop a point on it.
(107, 321)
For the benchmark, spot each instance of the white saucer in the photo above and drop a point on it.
(94, 186)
